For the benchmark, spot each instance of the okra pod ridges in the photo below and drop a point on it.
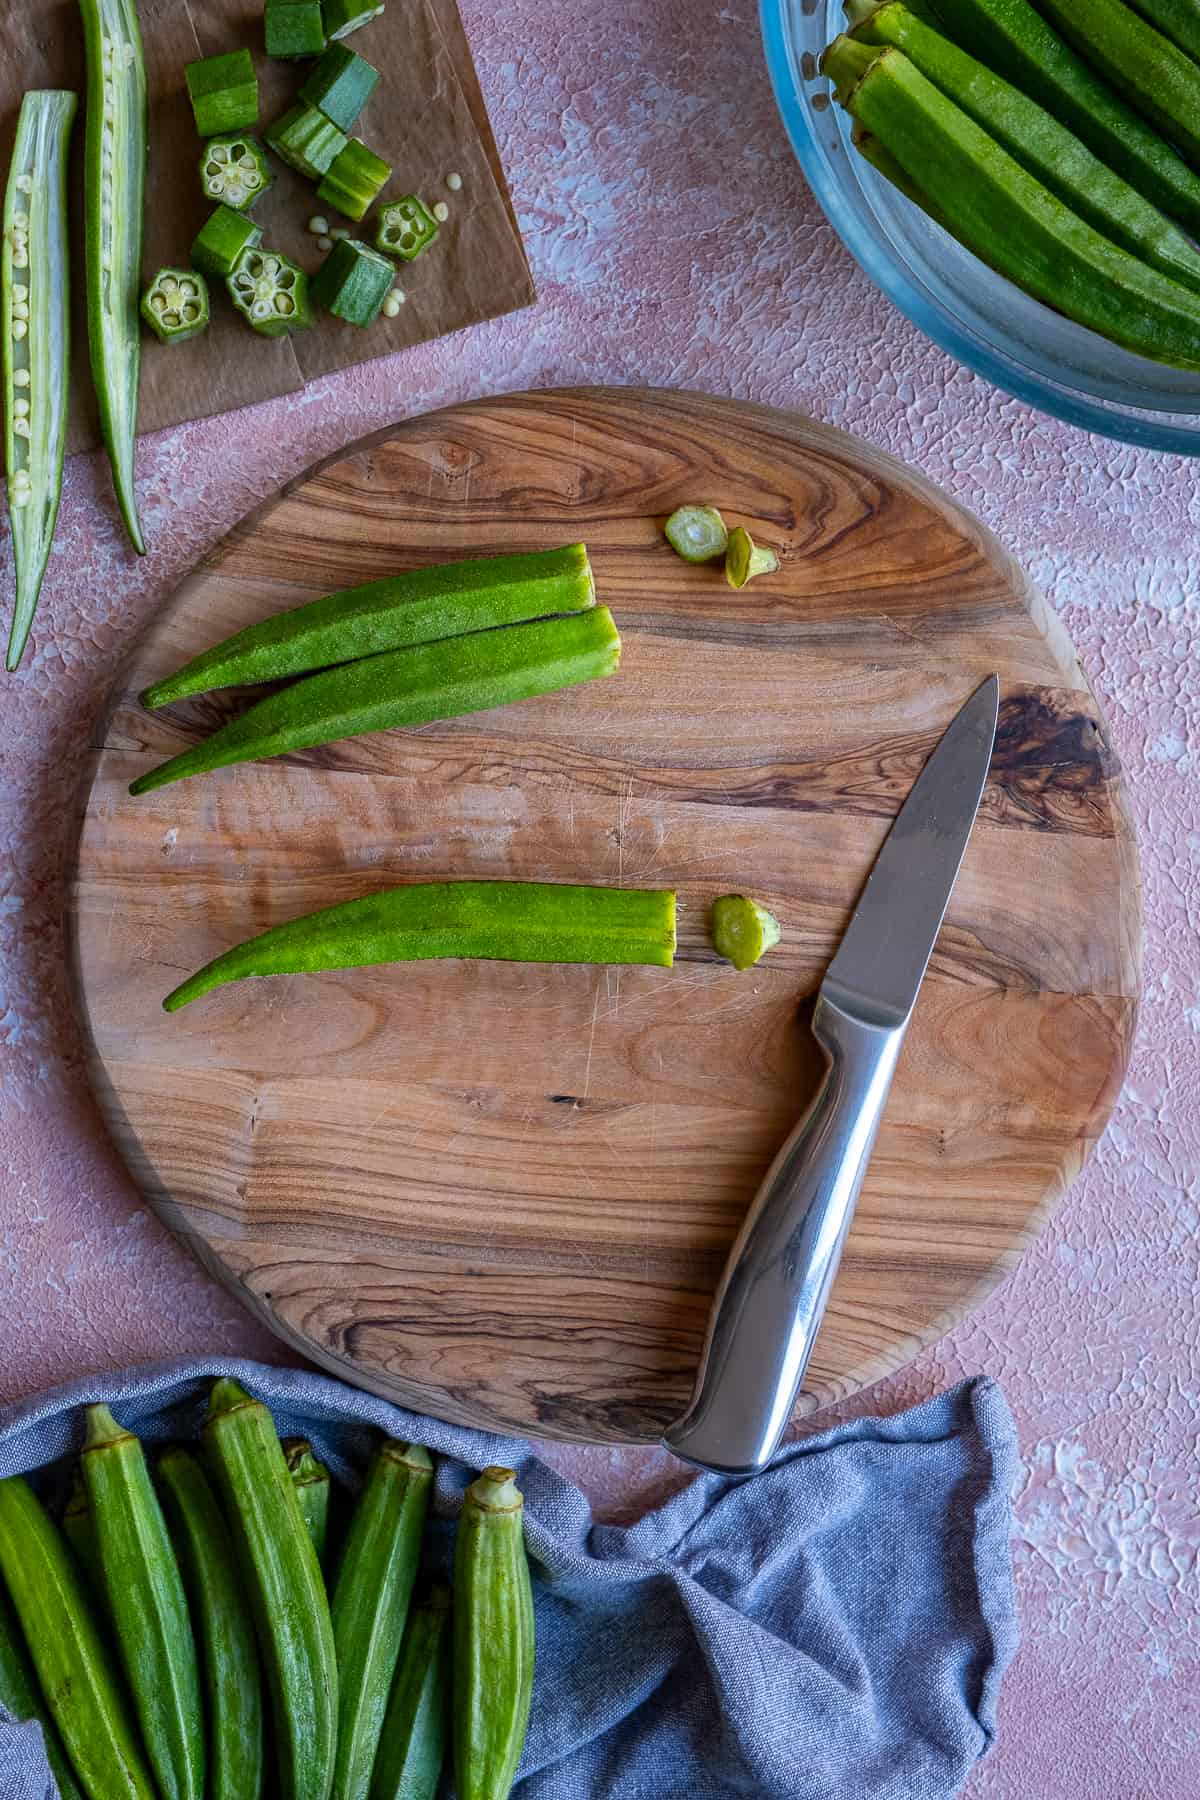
(35, 284)
(114, 193)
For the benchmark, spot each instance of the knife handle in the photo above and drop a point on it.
(772, 1295)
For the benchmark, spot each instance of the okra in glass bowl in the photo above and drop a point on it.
(975, 314)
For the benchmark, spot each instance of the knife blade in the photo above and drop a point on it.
(771, 1298)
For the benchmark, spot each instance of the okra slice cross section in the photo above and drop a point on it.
(235, 171)
(35, 287)
(114, 183)
(270, 292)
(175, 305)
(405, 228)
(493, 921)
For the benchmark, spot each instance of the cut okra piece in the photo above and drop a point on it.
(344, 16)
(744, 559)
(354, 180)
(175, 305)
(742, 930)
(222, 241)
(306, 140)
(405, 228)
(697, 533)
(293, 29)
(353, 282)
(340, 85)
(223, 92)
(234, 169)
(271, 293)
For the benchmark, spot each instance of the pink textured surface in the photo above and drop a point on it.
(674, 242)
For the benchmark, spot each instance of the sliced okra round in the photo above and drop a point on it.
(405, 228)
(270, 292)
(235, 171)
(175, 305)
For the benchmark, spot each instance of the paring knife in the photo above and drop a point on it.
(772, 1295)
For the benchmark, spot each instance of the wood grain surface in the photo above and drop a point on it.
(504, 1194)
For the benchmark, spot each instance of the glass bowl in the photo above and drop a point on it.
(976, 315)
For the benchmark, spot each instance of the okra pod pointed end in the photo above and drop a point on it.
(227, 1396)
(101, 1427)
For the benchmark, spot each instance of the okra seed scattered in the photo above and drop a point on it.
(441, 212)
(318, 226)
(454, 181)
(391, 307)
(324, 243)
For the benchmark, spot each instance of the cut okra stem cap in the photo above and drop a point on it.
(697, 533)
(744, 559)
(742, 930)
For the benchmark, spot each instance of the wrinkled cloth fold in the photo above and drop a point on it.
(835, 1629)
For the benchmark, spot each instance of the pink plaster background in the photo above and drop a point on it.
(674, 242)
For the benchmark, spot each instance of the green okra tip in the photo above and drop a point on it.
(227, 1396)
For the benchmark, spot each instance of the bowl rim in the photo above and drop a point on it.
(935, 322)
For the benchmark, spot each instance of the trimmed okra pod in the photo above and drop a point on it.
(412, 1746)
(697, 533)
(356, 177)
(341, 17)
(493, 921)
(20, 1698)
(234, 170)
(405, 228)
(35, 291)
(742, 930)
(370, 1602)
(310, 1479)
(353, 282)
(175, 305)
(223, 240)
(340, 85)
(293, 29)
(493, 1638)
(146, 1603)
(114, 182)
(223, 91)
(744, 559)
(306, 140)
(411, 686)
(270, 292)
(418, 607)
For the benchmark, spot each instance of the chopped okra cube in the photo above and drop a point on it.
(175, 305)
(234, 169)
(270, 292)
(340, 85)
(354, 179)
(353, 282)
(219, 245)
(306, 140)
(405, 228)
(293, 28)
(344, 16)
(223, 91)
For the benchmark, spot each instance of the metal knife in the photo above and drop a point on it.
(771, 1298)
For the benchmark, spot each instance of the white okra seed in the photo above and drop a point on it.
(20, 291)
(21, 219)
(21, 409)
(20, 309)
(21, 427)
(318, 226)
(19, 328)
(441, 212)
(324, 243)
(20, 377)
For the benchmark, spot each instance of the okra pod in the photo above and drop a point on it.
(742, 930)
(21, 1699)
(354, 281)
(114, 182)
(500, 921)
(225, 1627)
(370, 1602)
(1013, 38)
(67, 1651)
(35, 293)
(147, 1604)
(412, 1746)
(1161, 81)
(355, 178)
(872, 151)
(310, 1479)
(287, 1593)
(420, 606)
(1177, 19)
(1015, 224)
(410, 686)
(80, 1533)
(1039, 143)
(493, 1638)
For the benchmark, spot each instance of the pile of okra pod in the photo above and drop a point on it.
(175, 1635)
(1059, 141)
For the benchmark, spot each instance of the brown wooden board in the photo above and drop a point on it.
(426, 117)
(504, 1194)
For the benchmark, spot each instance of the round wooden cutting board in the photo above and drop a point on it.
(504, 1194)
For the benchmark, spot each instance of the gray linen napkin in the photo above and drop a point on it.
(835, 1629)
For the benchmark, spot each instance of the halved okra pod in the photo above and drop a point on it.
(35, 285)
(286, 1589)
(493, 1638)
(114, 183)
(147, 1605)
(418, 607)
(21, 1697)
(411, 686)
(370, 1602)
(310, 1479)
(500, 921)
(412, 1746)
(67, 1650)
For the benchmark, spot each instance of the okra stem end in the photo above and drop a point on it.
(227, 1396)
(496, 1490)
(101, 1427)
